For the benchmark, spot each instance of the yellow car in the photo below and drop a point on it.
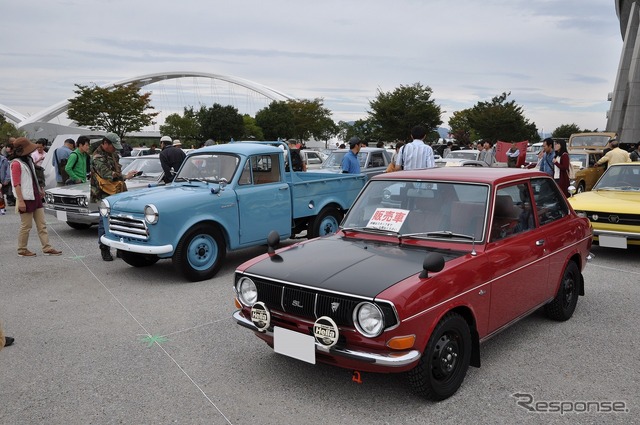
(587, 172)
(613, 206)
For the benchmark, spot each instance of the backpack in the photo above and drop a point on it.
(62, 163)
(296, 160)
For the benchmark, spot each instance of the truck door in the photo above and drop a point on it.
(264, 199)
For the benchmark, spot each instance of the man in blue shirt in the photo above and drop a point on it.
(350, 163)
(60, 158)
(546, 156)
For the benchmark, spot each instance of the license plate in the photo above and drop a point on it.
(61, 215)
(609, 241)
(294, 344)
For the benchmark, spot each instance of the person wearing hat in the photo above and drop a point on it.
(177, 143)
(171, 158)
(28, 196)
(107, 179)
(615, 155)
(350, 163)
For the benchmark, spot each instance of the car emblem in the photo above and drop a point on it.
(334, 307)
(260, 316)
(296, 303)
(614, 219)
(325, 331)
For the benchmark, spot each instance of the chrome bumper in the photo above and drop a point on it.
(140, 249)
(394, 359)
(628, 235)
(73, 216)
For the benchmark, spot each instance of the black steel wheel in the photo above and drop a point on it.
(445, 360)
(564, 304)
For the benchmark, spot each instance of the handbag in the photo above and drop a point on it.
(110, 187)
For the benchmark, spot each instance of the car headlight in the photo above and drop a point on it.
(247, 291)
(581, 214)
(151, 214)
(48, 198)
(104, 208)
(368, 319)
(83, 202)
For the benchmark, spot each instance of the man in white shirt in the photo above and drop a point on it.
(415, 155)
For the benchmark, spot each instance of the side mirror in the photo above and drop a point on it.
(432, 263)
(572, 190)
(273, 240)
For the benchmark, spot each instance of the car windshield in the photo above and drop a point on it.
(589, 140)
(150, 167)
(624, 177)
(463, 155)
(335, 159)
(208, 167)
(429, 210)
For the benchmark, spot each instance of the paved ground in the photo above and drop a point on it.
(85, 351)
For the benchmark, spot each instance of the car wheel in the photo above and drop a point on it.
(445, 361)
(325, 223)
(564, 304)
(138, 260)
(200, 253)
(581, 187)
(78, 226)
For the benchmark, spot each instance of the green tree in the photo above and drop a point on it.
(184, 127)
(311, 119)
(501, 120)
(8, 130)
(394, 113)
(566, 130)
(276, 121)
(364, 129)
(120, 109)
(461, 129)
(220, 123)
(251, 129)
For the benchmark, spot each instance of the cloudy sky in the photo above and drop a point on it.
(558, 58)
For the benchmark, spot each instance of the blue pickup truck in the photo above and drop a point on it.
(223, 198)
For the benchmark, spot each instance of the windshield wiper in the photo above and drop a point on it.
(370, 230)
(439, 234)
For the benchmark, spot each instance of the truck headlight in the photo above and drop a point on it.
(247, 291)
(151, 214)
(104, 208)
(368, 319)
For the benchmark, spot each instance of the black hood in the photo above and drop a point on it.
(346, 265)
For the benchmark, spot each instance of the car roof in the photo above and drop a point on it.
(489, 175)
(364, 149)
(241, 148)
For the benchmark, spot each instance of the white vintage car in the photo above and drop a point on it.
(71, 203)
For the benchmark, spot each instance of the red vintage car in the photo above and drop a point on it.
(427, 265)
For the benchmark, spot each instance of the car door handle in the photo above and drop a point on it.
(540, 242)
(284, 188)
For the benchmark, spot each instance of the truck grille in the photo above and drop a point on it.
(128, 227)
(311, 304)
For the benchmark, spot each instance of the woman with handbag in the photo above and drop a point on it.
(29, 196)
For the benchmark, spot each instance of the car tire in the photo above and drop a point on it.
(200, 253)
(325, 223)
(564, 304)
(138, 260)
(581, 188)
(78, 226)
(445, 360)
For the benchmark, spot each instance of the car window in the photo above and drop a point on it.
(265, 168)
(208, 167)
(512, 212)
(376, 160)
(550, 203)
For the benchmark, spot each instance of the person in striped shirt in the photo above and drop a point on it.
(415, 155)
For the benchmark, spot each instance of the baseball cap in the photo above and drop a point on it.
(114, 139)
(353, 142)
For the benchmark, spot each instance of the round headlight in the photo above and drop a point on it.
(151, 214)
(83, 201)
(247, 291)
(48, 198)
(581, 214)
(368, 319)
(104, 208)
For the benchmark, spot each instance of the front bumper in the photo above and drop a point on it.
(140, 249)
(73, 216)
(392, 360)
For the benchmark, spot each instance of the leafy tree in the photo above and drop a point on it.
(364, 129)
(8, 130)
(501, 120)
(394, 113)
(184, 127)
(276, 121)
(566, 130)
(311, 119)
(121, 109)
(221, 123)
(251, 129)
(461, 129)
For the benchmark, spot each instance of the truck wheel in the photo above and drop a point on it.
(138, 260)
(445, 361)
(564, 304)
(200, 253)
(78, 226)
(325, 223)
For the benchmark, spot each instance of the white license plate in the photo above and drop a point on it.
(294, 344)
(61, 215)
(609, 241)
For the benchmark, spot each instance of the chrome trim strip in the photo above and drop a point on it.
(393, 359)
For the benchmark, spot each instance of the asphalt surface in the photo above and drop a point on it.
(105, 343)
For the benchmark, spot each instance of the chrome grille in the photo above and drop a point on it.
(128, 227)
(613, 218)
(66, 200)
